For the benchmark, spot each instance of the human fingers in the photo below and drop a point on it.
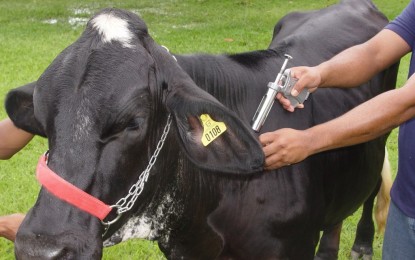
(276, 155)
(297, 73)
(307, 77)
(286, 104)
(265, 138)
(274, 146)
(284, 147)
(274, 162)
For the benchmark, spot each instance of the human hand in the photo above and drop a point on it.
(284, 147)
(10, 224)
(308, 77)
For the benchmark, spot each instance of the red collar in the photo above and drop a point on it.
(68, 192)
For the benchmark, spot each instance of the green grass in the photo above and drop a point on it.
(33, 32)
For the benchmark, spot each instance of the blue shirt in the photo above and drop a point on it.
(403, 189)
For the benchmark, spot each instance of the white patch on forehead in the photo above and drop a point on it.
(113, 28)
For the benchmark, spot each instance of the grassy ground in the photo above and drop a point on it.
(33, 32)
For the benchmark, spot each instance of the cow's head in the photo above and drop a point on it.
(103, 104)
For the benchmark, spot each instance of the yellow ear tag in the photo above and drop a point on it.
(211, 129)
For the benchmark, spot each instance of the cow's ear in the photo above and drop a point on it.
(19, 107)
(213, 137)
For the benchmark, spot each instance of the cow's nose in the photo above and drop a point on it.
(43, 253)
(36, 248)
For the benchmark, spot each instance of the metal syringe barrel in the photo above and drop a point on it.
(268, 99)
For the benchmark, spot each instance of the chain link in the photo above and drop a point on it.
(126, 203)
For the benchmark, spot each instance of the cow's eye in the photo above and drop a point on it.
(135, 123)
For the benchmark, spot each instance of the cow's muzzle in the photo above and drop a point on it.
(34, 247)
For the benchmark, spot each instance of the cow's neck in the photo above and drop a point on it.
(181, 187)
(232, 79)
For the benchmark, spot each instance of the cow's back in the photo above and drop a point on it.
(315, 36)
(348, 174)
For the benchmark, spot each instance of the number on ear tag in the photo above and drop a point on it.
(211, 129)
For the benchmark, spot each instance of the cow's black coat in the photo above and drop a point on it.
(103, 107)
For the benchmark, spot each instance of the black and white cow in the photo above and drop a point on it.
(104, 104)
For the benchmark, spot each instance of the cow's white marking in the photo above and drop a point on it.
(146, 227)
(83, 127)
(113, 28)
(136, 227)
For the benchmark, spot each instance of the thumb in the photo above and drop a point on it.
(299, 85)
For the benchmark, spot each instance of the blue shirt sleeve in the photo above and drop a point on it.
(404, 24)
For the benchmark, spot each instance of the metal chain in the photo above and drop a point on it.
(126, 203)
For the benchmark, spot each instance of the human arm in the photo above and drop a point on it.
(351, 67)
(387, 111)
(12, 139)
(10, 224)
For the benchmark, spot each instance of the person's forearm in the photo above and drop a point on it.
(348, 69)
(365, 122)
(9, 225)
(12, 139)
(360, 63)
